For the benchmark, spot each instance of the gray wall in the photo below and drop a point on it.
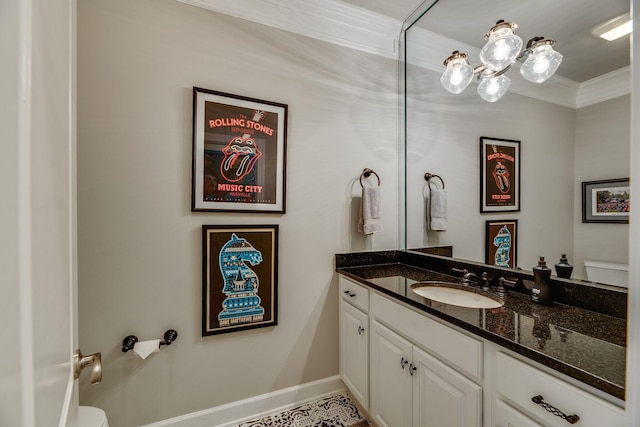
(560, 148)
(139, 244)
(443, 138)
(602, 152)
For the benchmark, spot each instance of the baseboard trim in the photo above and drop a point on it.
(255, 407)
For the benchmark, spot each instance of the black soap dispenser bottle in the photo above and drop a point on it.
(563, 268)
(541, 291)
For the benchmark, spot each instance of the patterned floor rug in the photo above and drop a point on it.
(334, 411)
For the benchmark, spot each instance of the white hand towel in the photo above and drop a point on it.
(437, 212)
(370, 214)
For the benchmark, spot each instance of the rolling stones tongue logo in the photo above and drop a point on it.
(240, 155)
(501, 175)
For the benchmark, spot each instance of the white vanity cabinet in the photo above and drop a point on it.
(354, 339)
(409, 369)
(409, 386)
(391, 382)
(517, 383)
(507, 416)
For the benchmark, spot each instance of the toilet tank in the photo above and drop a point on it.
(607, 272)
(89, 416)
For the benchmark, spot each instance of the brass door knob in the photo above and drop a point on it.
(81, 361)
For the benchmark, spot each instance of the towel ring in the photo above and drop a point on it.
(428, 176)
(367, 173)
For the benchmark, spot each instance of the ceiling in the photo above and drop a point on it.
(568, 22)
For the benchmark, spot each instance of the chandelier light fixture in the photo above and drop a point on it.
(502, 50)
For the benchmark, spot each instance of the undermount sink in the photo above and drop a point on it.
(454, 294)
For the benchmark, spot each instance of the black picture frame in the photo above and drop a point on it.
(606, 201)
(239, 277)
(499, 175)
(239, 153)
(501, 243)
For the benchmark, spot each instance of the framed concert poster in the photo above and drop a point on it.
(239, 153)
(499, 175)
(606, 201)
(500, 243)
(240, 277)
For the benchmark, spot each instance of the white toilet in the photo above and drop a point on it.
(91, 417)
(610, 273)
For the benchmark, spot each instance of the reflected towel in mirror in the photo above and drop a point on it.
(437, 210)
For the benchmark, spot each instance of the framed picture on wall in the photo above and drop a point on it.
(240, 277)
(239, 153)
(499, 175)
(606, 201)
(501, 243)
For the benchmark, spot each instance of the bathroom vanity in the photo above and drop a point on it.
(412, 361)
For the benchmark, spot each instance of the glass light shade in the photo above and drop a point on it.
(457, 76)
(541, 64)
(493, 88)
(501, 49)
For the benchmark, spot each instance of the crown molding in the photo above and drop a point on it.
(602, 88)
(340, 23)
(330, 20)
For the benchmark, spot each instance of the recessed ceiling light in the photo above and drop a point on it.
(615, 28)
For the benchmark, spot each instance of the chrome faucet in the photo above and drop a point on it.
(472, 279)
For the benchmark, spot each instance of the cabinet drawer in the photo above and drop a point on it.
(354, 293)
(520, 382)
(451, 346)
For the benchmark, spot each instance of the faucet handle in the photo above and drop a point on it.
(464, 271)
(512, 283)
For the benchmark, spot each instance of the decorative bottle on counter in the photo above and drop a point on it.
(541, 291)
(563, 268)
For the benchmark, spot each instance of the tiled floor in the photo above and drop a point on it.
(334, 411)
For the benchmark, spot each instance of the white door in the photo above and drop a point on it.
(390, 379)
(37, 213)
(441, 396)
(354, 351)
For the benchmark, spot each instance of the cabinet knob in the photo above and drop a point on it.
(412, 368)
(360, 330)
(403, 362)
(539, 400)
(351, 294)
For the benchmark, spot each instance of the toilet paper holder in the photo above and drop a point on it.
(130, 340)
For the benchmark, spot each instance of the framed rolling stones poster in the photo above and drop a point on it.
(499, 175)
(239, 153)
(240, 277)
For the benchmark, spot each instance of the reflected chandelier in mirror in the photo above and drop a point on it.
(498, 55)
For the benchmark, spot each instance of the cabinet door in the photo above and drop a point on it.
(354, 352)
(507, 416)
(441, 396)
(390, 380)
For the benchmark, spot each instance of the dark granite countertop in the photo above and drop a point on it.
(583, 344)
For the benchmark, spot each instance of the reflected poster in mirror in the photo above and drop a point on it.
(499, 175)
(500, 244)
(606, 201)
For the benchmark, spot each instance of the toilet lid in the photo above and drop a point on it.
(91, 417)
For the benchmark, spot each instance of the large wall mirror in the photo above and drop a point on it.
(573, 128)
